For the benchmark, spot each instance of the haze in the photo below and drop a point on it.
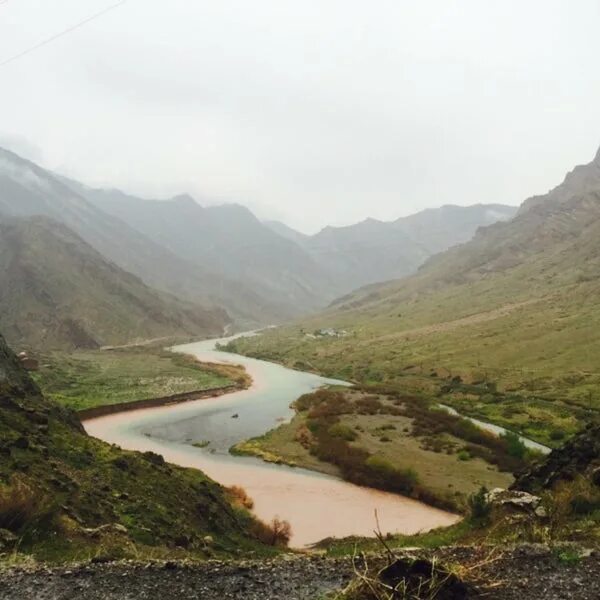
(314, 113)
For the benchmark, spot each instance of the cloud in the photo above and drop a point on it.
(323, 112)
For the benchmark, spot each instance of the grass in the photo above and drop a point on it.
(436, 538)
(89, 378)
(316, 440)
(68, 497)
(538, 356)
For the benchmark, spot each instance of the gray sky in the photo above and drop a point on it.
(314, 112)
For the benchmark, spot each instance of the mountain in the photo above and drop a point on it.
(374, 251)
(28, 190)
(228, 239)
(302, 273)
(287, 232)
(582, 179)
(365, 253)
(516, 307)
(437, 229)
(67, 496)
(56, 291)
(223, 255)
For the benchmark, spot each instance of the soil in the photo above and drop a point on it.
(531, 572)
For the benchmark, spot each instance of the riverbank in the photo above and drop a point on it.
(111, 409)
(87, 379)
(316, 505)
(394, 443)
(546, 409)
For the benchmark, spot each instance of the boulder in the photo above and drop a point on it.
(515, 498)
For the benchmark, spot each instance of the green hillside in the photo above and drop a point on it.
(64, 495)
(56, 291)
(506, 327)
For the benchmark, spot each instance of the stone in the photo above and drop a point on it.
(7, 539)
(516, 498)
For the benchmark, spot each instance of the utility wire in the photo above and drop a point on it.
(59, 35)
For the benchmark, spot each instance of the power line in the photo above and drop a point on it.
(64, 32)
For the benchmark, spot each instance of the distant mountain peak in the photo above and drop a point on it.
(597, 158)
(184, 199)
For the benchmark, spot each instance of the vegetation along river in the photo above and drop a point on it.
(316, 505)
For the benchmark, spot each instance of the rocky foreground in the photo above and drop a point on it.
(530, 572)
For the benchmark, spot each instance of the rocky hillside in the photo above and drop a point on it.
(56, 291)
(64, 495)
(579, 457)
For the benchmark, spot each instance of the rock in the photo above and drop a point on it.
(152, 457)
(7, 539)
(109, 527)
(515, 498)
(420, 578)
(580, 456)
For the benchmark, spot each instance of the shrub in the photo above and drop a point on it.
(368, 405)
(343, 432)
(385, 475)
(277, 533)
(22, 505)
(514, 446)
(479, 507)
(464, 455)
(239, 497)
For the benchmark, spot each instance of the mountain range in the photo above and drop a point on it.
(221, 262)
(57, 291)
(516, 305)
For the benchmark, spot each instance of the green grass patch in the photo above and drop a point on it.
(86, 379)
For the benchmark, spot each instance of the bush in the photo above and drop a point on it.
(239, 497)
(479, 507)
(464, 455)
(278, 533)
(514, 446)
(21, 505)
(385, 475)
(343, 432)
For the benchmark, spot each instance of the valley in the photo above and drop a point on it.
(294, 494)
(504, 327)
(385, 414)
(299, 300)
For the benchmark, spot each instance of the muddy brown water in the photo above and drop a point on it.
(316, 505)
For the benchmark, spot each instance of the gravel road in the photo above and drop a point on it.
(526, 573)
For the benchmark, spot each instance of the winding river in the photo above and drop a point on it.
(316, 505)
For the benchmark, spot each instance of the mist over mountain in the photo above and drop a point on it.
(28, 190)
(517, 304)
(223, 257)
(56, 291)
(582, 179)
(228, 240)
(374, 251)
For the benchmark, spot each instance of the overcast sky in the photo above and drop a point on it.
(314, 112)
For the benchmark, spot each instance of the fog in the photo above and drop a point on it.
(310, 112)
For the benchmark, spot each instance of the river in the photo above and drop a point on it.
(316, 505)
